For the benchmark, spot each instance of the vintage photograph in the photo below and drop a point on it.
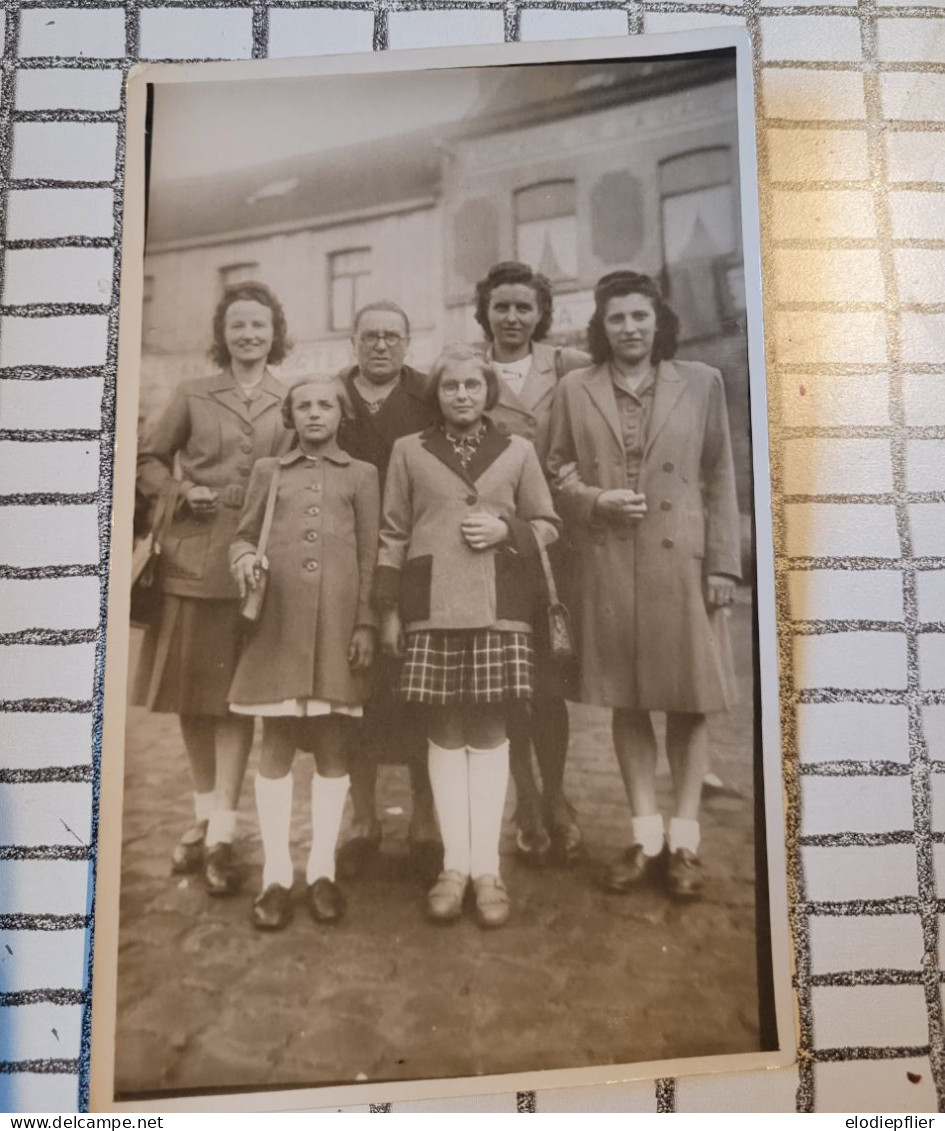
(448, 658)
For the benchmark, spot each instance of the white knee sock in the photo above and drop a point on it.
(274, 809)
(649, 832)
(203, 805)
(450, 782)
(221, 827)
(683, 834)
(328, 806)
(488, 785)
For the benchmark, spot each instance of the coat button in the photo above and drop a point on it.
(311, 536)
(243, 469)
(248, 429)
(246, 447)
(669, 466)
(666, 505)
(668, 543)
(311, 566)
(315, 487)
(313, 510)
(471, 500)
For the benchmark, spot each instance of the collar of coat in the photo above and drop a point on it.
(223, 389)
(493, 445)
(670, 385)
(331, 452)
(540, 381)
(411, 381)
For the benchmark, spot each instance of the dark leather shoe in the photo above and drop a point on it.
(684, 877)
(222, 874)
(326, 901)
(426, 858)
(567, 843)
(189, 851)
(273, 909)
(632, 869)
(355, 855)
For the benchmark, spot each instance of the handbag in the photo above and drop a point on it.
(146, 588)
(560, 636)
(251, 606)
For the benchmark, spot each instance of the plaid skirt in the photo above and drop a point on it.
(444, 667)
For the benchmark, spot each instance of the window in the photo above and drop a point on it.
(546, 228)
(234, 273)
(348, 272)
(700, 240)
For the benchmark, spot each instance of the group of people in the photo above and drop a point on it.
(399, 520)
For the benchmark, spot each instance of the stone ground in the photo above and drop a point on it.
(578, 977)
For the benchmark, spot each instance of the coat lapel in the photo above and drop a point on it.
(225, 392)
(541, 379)
(492, 446)
(669, 388)
(600, 389)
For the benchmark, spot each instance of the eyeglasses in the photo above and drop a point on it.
(472, 387)
(389, 337)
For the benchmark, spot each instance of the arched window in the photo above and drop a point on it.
(546, 228)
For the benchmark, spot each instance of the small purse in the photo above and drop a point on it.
(560, 636)
(146, 589)
(251, 606)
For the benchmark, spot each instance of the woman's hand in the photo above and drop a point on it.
(392, 634)
(620, 503)
(719, 590)
(202, 501)
(361, 648)
(483, 530)
(244, 573)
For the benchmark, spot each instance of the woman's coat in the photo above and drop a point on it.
(637, 597)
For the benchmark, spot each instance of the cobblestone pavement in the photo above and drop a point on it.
(578, 977)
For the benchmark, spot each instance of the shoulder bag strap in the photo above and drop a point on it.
(270, 511)
(546, 569)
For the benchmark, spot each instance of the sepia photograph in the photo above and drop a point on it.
(441, 738)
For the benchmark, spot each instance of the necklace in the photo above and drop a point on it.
(466, 444)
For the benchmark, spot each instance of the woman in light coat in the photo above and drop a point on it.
(641, 450)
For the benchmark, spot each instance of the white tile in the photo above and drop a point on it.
(933, 723)
(875, 1085)
(503, 1102)
(915, 156)
(924, 398)
(445, 29)
(45, 536)
(837, 467)
(930, 589)
(910, 40)
(865, 942)
(927, 523)
(39, 1091)
(798, 214)
(860, 873)
(828, 275)
(64, 151)
(686, 21)
(860, 804)
(913, 96)
(69, 341)
(319, 31)
(916, 215)
(58, 603)
(803, 339)
(64, 89)
(851, 660)
(46, 813)
(32, 740)
(841, 530)
(818, 400)
(922, 336)
(57, 403)
(550, 23)
(925, 465)
(810, 38)
(869, 1016)
(41, 671)
(38, 960)
(817, 155)
(843, 594)
(62, 274)
(41, 1032)
(638, 1096)
(828, 732)
(90, 32)
(754, 1092)
(919, 273)
(44, 887)
(48, 213)
(67, 466)
(195, 33)
(932, 661)
(799, 94)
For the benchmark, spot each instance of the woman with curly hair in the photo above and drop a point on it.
(199, 455)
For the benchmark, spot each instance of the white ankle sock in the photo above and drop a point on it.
(328, 806)
(683, 834)
(274, 810)
(221, 827)
(203, 805)
(488, 785)
(450, 782)
(650, 832)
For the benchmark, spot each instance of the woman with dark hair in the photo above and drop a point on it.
(514, 309)
(641, 450)
(201, 451)
(464, 507)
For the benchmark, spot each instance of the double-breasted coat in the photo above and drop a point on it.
(646, 639)
(321, 551)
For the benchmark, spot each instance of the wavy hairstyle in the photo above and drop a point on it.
(616, 285)
(512, 272)
(250, 292)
